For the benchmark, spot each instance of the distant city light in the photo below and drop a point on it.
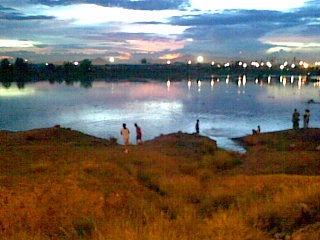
(168, 62)
(256, 64)
(269, 64)
(212, 63)
(76, 63)
(189, 62)
(200, 59)
(227, 64)
(244, 65)
(111, 59)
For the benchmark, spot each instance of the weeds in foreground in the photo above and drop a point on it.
(101, 193)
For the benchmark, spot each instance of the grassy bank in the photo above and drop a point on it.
(61, 184)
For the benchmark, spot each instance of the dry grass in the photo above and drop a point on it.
(60, 184)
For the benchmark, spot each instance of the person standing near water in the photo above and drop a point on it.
(197, 127)
(306, 118)
(139, 134)
(125, 133)
(295, 119)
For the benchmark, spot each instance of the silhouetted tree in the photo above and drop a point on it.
(6, 70)
(70, 72)
(20, 64)
(144, 61)
(85, 66)
(21, 70)
(51, 67)
(5, 64)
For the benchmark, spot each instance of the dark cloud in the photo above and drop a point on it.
(21, 17)
(238, 27)
(236, 17)
(12, 14)
(231, 26)
(233, 33)
(2, 8)
(138, 5)
(311, 30)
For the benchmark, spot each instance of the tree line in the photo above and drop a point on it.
(21, 71)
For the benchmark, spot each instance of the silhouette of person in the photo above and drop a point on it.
(139, 134)
(125, 136)
(295, 119)
(306, 118)
(255, 132)
(197, 127)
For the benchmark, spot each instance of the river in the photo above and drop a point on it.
(226, 107)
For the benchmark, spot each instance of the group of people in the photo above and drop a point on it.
(296, 118)
(125, 133)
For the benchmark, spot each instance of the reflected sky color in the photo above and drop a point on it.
(225, 110)
(16, 92)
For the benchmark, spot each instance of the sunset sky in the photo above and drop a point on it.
(158, 30)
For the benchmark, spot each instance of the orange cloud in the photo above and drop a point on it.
(170, 56)
(151, 46)
(6, 57)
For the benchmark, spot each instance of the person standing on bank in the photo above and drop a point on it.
(306, 118)
(197, 127)
(139, 134)
(295, 119)
(125, 133)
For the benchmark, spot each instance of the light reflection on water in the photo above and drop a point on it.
(226, 108)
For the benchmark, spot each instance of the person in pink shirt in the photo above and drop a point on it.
(139, 134)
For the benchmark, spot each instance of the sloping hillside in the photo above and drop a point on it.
(58, 183)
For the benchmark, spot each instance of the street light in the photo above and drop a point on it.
(200, 59)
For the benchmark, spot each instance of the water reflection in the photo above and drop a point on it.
(226, 109)
(212, 82)
(16, 92)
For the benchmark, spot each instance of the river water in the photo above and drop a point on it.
(226, 107)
